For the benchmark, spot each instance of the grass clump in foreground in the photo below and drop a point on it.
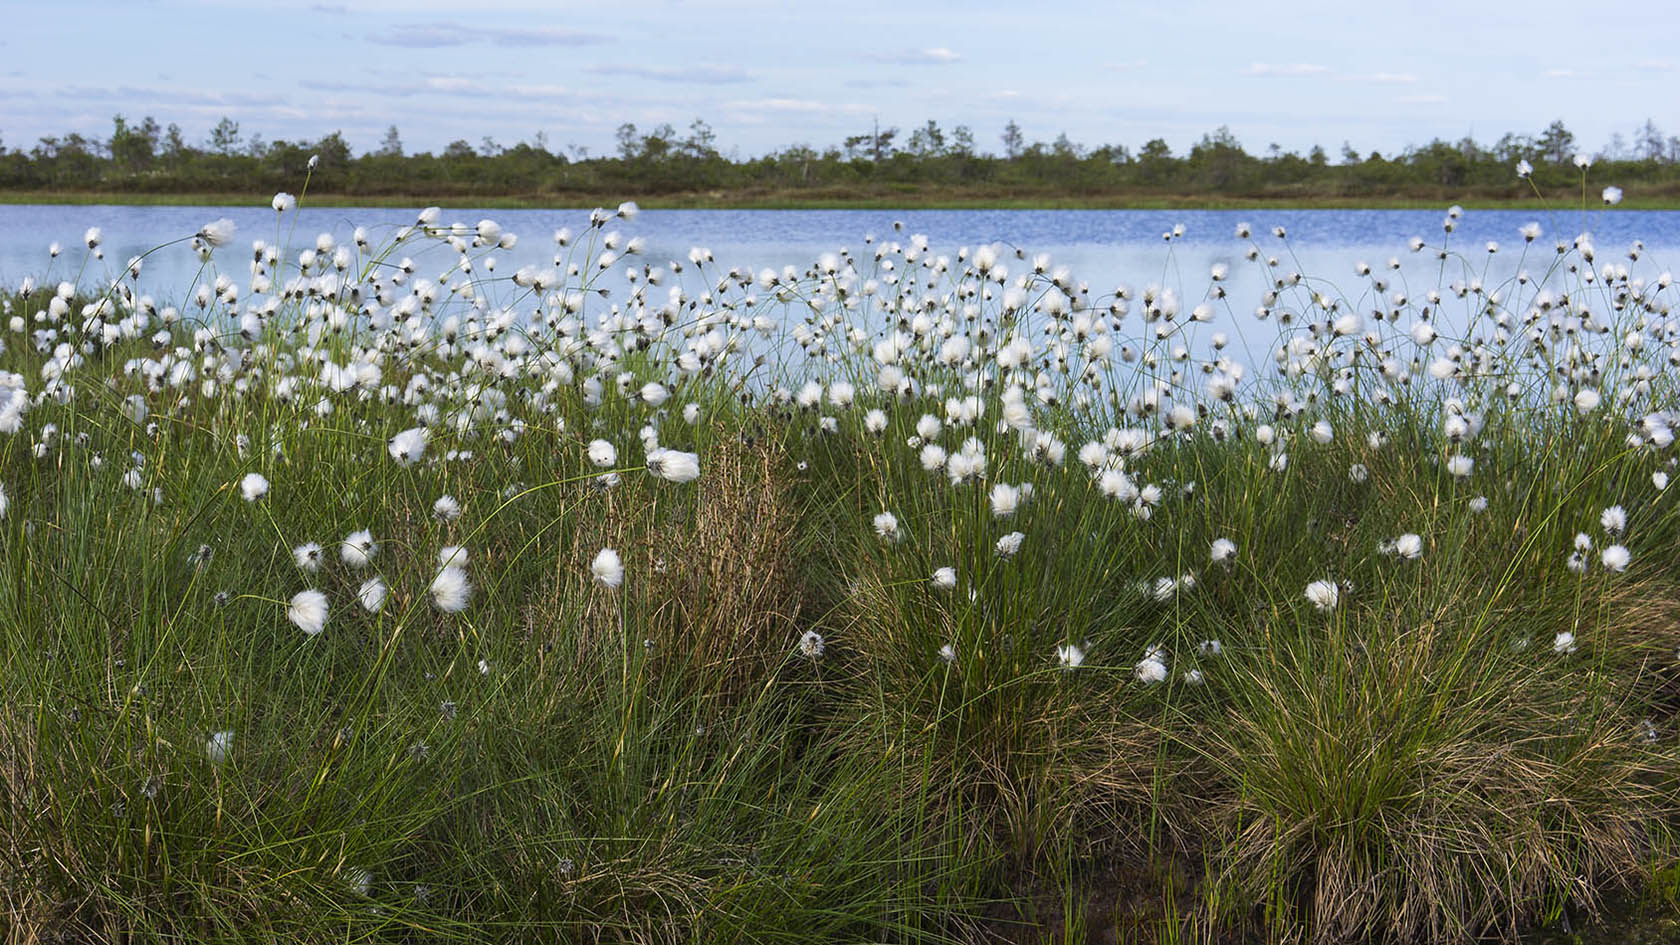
(366, 594)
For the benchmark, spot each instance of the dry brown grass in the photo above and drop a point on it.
(717, 594)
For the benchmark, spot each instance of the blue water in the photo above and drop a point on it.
(1105, 248)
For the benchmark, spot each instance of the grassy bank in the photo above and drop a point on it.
(911, 597)
(808, 199)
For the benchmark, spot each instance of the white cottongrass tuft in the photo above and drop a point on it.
(1223, 550)
(451, 590)
(408, 446)
(1070, 656)
(608, 568)
(1615, 558)
(1009, 544)
(308, 556)
(1613, 520)
(1409, 546)
(674, 465)
(452, 556)
(1152, 668)
(945, 579)
(886, 525)
(358, 548)
(1460, 466)
(217, 233)
(308, 611)
(253, 487)
(446, 508)
(1564, 643)
(603, 454)
(1325, 595)
(371, 595)
(811, 645)
(1005, 500)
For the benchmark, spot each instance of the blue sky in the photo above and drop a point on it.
(769, 74)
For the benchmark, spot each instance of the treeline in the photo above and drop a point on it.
(144, 158)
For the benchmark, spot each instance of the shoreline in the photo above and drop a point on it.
(792, 200)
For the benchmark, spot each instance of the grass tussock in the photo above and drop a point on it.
(903, 598)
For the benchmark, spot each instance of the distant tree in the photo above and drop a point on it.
(458, 149)
(1317, 157)
(1350, 157)
(928, 140)
(333, 151)
(1013, 141)
(1065, 147)
(701, 141)
(1616, 149)
(392, 145)
(224, 138)
(1557, 143)
(1650, 143)
(174, 145)
(133, 148)
(487, 147)
(629, 141)
(962, 141)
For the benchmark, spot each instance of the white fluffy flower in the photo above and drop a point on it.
(1009, 544)
(358, 548)
(217, 233)
(446, 508)
(945, 578)
(1613, 519)
(408, 446)
(1615, 558)
(1409, 546)
(1324, 594)
(886, 525)
(811, 645)
(308, 556)
(674, 465)
(1070, 656)
(253, 487)
(603, 454)
(1460, 466)
(1563, 643)
(371, 595)
(308, 610)
(1151, 670)
(1223, 550)
(608, 568)
(451, 590)
(1005, 500)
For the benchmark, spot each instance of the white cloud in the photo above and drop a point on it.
(935, 56)
(701, 73)
(1383, 78)
(1290, 70)
(440, 34)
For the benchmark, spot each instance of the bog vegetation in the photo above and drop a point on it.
(364, 592)
(925, 164)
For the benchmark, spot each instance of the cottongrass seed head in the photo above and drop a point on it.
(308, 610)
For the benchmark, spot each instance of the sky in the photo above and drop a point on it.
(767, 74)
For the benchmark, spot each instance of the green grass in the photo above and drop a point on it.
(665, 761)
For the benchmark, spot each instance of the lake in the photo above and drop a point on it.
(1105, 248)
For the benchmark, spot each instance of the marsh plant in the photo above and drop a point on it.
(368, 592)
